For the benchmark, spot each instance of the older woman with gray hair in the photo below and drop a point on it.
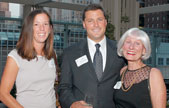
(140, 86)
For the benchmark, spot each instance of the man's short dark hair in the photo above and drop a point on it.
(92, 7)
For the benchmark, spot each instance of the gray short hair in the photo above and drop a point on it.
(141, 35)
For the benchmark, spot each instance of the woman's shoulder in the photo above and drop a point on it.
(155, 73)
(13, 53)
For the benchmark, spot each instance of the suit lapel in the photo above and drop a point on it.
(110, 59)
(85, 51)
(111, 53)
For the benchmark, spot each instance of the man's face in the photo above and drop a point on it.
(95, 24)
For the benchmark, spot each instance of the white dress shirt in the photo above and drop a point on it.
(103, 49)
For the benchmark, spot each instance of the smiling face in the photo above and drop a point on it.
(41, 28)
(133, 48)
(95, 24)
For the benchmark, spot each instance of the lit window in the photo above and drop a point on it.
(157, 18)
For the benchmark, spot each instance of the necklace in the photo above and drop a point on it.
(122, 80)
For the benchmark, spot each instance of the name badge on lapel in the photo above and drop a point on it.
(118, 85)
(82, 60)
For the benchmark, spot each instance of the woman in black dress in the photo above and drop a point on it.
(140, 86)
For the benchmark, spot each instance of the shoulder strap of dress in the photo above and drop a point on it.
(57, 66)
(55, 58)
(57, 81)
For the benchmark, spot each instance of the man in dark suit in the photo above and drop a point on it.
(80, 70)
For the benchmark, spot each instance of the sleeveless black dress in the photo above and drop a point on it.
(134, 92)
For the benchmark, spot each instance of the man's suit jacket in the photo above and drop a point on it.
(78, 76)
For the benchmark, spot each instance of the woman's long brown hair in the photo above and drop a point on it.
(25, 46)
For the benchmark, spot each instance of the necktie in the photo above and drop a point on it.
(98, 62)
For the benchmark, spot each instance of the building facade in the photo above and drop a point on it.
(4, 10)
(157, 20)
(123, 14)
(75, 16)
